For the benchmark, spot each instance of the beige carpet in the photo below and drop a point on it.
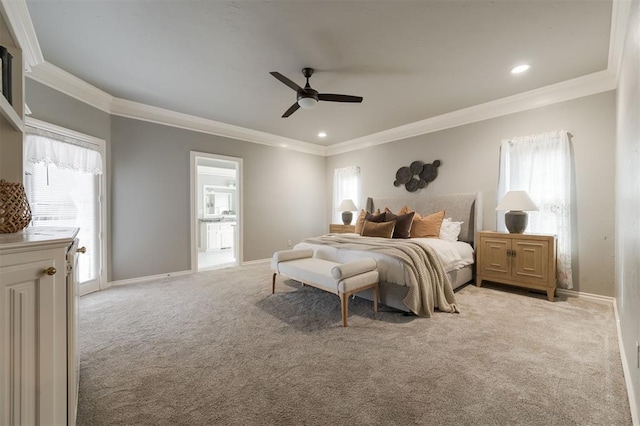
(216, 348)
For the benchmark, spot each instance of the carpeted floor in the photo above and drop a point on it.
(216, 348)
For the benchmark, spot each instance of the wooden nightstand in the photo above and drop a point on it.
(336, 228)
(524, 260)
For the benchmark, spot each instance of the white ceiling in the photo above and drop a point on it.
(410, 60)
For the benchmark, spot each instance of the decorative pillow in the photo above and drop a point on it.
(427, 226)
(361, 218)
(375, 217)
(403, 223)
(405, 210)
(378, 229)
(449, 230)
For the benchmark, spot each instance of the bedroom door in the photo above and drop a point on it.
(216, 211)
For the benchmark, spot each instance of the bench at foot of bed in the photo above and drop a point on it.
(343, 279)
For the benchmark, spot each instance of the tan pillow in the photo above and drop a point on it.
(360, 220)
(405, 210)
(375, 229)
(427, 226)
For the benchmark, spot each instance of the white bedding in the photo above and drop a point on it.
(454, 255)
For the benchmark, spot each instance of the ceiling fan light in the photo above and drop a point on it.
(307, 103)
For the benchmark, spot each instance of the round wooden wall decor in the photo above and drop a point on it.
(417, 175)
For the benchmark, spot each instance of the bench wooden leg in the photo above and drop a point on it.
(344, 304)
(273, 284)
(375, 298)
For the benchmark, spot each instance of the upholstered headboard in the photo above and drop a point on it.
(466, 208)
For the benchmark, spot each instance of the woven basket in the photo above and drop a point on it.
(15, 213)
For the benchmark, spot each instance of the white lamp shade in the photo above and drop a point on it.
(516, 200)
(347, 206)
(307, 103)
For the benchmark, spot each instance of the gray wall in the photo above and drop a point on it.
(148, 187)
(283, 196)
(628, 199)
(470, 162)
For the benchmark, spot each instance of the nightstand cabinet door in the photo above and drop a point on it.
(531, 261)
(494, 260)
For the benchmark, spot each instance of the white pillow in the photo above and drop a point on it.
(450, 230)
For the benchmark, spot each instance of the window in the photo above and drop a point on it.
(541, 165)
(346, 185)
(63, 181)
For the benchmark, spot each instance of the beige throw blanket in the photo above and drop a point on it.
(429, 285)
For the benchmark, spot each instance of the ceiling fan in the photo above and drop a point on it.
(307, 97)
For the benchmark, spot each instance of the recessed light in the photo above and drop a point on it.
(520, 68)
(322, 135)
(284, 145)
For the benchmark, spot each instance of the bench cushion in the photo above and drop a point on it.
(287, 255)
(311, 270)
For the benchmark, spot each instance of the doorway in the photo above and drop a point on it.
(216, 211)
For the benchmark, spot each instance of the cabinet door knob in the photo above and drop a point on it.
(50, 270)
(82, 250)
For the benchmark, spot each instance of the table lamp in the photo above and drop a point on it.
(516, 204)
(347, 207)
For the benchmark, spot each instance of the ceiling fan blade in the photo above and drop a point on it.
(338, 98)
(291, 110)
(286, 81)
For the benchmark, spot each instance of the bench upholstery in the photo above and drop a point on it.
(342, 279)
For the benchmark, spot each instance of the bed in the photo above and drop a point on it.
(457, 257)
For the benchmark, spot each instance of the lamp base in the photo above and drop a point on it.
(516, 221)
(347, 217)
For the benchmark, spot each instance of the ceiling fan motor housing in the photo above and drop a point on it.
(308, 98)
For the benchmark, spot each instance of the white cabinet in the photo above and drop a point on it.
(216, 235)
(226, 235)
(37, 327)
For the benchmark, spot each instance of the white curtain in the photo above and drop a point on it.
(66, 153)
(346, 185)
(541, 165)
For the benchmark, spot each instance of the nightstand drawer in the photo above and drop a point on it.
(336, 228)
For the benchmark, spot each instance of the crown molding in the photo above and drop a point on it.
(21, 27)
(67, 83)
(591, 84)
(620, 12)
(138, 111)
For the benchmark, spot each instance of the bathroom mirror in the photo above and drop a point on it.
(215, 203)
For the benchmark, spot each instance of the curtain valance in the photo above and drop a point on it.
(66, 153)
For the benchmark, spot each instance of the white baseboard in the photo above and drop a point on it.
(635, 414)
(255, 262)
(170, 274)
(147, 278)
(588, 296)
